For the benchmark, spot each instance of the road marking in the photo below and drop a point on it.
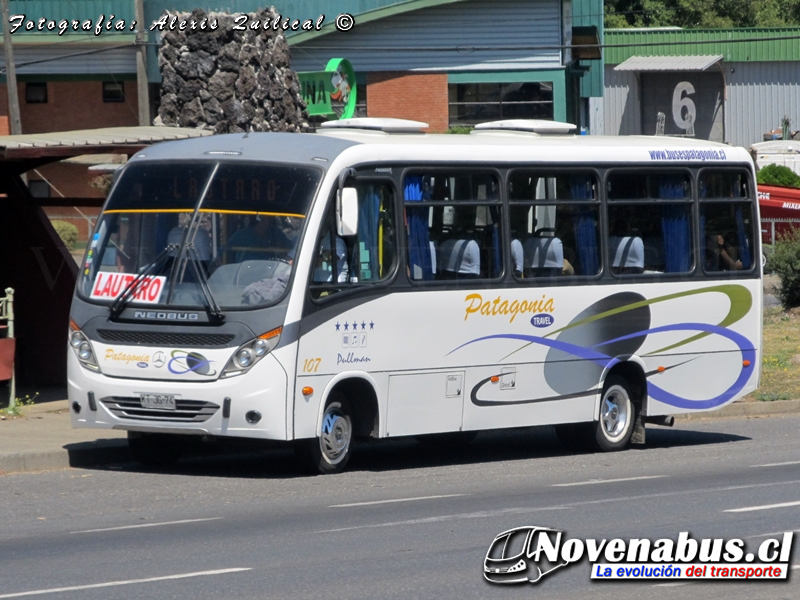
(669, 584)
(395, 500)
(148, 525)
(526, 509)
(596, 481)
(476, 515)
(795, 567)
(762, 507)
(760, 535)
(784, 464)
(126, 582)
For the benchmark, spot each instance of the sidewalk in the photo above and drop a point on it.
(43, 438)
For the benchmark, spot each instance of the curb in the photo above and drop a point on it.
(746, 409)
(81, 455)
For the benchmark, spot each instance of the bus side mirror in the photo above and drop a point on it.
(347, 212)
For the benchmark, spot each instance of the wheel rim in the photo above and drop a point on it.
(334, 440)
(615, 412)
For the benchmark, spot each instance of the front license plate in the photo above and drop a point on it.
(158, 401)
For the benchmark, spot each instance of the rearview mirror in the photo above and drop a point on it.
(347, 212)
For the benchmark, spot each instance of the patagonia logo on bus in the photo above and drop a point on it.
(542, 320)
(503, 307)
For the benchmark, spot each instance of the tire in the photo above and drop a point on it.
(155, 449)
(330, 452)
(617, 416)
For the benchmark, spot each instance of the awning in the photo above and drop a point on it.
(779, 202)
(67, 144)
(669, 63)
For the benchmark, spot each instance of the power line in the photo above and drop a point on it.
(498, 48)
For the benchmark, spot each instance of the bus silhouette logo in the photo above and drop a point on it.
(517, 555)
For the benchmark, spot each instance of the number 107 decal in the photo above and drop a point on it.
(310, 365)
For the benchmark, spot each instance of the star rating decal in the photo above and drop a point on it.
(355, 325)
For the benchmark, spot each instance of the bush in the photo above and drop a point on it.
(459, 129)
(778, 175)
(67, 232)
(785, 262)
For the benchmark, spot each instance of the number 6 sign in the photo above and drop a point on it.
(681, 102)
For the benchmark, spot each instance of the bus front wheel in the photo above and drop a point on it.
(615, 425)
(330, 452)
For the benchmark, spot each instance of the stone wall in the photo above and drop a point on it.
(227, 80)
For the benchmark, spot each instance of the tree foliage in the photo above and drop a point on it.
(778, 175)
(785, 262)
(696, 14)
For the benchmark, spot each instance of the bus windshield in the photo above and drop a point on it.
(199, 234)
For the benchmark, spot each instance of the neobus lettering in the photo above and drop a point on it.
(500, 306)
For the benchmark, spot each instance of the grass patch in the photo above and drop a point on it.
(780, 371)
(20, 404)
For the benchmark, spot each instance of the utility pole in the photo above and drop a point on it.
(11, 76)
(141, 65)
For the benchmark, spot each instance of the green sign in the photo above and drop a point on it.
(332, 92)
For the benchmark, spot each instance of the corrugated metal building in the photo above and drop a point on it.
(737, 84)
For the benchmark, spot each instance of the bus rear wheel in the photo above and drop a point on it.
(617, 415)
(330, 452)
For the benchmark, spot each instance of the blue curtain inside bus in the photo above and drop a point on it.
(368, 223)
(744, 239)
(419, 244)
(675, 225)
(585, 229)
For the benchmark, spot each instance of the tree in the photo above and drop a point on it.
(711, 14)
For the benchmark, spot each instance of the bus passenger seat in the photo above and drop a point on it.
(627, 254)
(544, 257)
(459, 259)
(654, 254)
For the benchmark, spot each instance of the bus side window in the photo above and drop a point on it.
(554, 221)
(457, 235)
(650, 222)
(369, 256)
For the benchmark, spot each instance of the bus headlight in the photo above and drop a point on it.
(85, 351)
(76, 339)
(245, 357)
(82, 347)
(250, 353)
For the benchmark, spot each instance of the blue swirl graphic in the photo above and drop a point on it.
(193, 362)
(744, 345)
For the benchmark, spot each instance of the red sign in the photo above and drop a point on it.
(109, 286)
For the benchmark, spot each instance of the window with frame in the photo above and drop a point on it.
(554, 219)
(727, 220)
(650, 222)
(36, 93)
(113, 91)
(452, 219)
(369, 256)
(472, 103)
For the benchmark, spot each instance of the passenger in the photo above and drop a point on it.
(721, 256)
(323, 269)
(262, 241)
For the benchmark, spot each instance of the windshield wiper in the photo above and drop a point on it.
(132, 288)
(213, 308)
